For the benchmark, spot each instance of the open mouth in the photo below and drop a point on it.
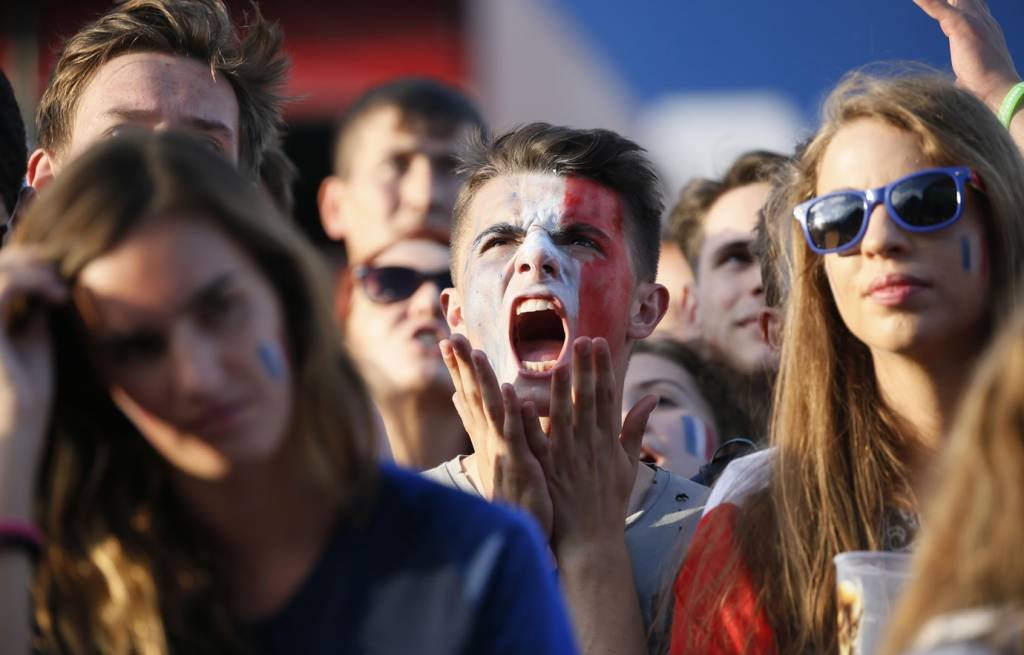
(538, 333)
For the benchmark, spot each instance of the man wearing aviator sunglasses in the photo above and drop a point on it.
(924, 201)
(393, 323)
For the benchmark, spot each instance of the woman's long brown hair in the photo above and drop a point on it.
(126, 569)
(970, 551)
(843, 457)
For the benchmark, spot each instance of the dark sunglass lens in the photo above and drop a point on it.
(391, 283)
(924, 200)
(834, 222)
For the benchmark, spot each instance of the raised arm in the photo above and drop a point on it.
(27, 284)
(978, 53)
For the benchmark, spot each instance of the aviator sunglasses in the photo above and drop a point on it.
(927, 200)
(388, 284)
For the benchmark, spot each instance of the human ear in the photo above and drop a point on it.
(688, 299)
(649, 305)
(451, 306)
(330, 199)
(41, 167)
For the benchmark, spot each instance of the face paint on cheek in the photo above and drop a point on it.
(272, 360)
(698, 438)
(605, 282)
(965, 253)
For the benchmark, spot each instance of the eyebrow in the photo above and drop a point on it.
(582, 229)
(734, 244)
(115, 338)
(498, 229)
(145, 115)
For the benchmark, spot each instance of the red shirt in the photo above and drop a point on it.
(714, 628)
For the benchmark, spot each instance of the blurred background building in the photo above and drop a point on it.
(694, 82)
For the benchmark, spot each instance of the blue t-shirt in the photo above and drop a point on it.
(433, 571)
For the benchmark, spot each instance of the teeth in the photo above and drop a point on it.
(534, 305)
(540, 367)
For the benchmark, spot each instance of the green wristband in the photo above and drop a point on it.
(1011, 103)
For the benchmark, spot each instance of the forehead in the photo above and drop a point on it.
(171, 87)
(649, 367)
(868, 153)
(734, 215)
(158, 265)
(420, 254)
(385, 129)
(546, 199)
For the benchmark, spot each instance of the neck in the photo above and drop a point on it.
(423, 429)
(925, 391)
(271, 523)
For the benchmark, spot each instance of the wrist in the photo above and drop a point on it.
(20, 536)
(594, 555)
(1011, 103)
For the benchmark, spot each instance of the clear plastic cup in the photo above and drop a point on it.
(868, 586)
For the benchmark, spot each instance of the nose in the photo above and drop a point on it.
(197, 364)
(752, 279)
(538, 257)
(882, 236)
(418, 182)
(426, 301)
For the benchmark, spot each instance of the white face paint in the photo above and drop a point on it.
(545, 261)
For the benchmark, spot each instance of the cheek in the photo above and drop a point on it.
(604, 298)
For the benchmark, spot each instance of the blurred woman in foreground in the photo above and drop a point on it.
(206, 478)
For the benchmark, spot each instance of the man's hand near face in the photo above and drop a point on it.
(503, 465)
(576, 479)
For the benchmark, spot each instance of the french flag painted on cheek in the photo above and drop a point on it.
(698, 438)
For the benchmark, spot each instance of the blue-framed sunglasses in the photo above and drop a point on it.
(927, 200)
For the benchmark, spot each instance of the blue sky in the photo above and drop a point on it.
(797, 47)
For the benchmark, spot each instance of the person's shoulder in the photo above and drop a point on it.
(741, 477)
(440, 508)
(974, 631)
(692, 493)
(450, 474)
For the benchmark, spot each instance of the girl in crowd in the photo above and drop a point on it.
(967, 594)
(906, 255)
(206, 468)
(701, 404)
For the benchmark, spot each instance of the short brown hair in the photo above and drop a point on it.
(599, 155)
(424, 105)
(686, 221)
(253, 63)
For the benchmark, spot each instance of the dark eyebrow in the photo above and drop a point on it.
(144, 115)
(735, 244)
(578, 229)
(115, 339)
(209, 291)
(498, 229)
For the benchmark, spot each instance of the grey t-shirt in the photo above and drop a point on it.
(657, 536)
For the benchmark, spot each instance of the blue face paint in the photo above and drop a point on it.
(690, 434)
(965, 253)
(698, 437)
(270, 357)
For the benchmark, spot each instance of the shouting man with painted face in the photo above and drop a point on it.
(554, 255)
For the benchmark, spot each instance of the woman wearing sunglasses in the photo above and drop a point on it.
(391, 311)
(907, 243)
(206, 478)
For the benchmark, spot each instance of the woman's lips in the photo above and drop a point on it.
(217, 421)
(894, 289)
